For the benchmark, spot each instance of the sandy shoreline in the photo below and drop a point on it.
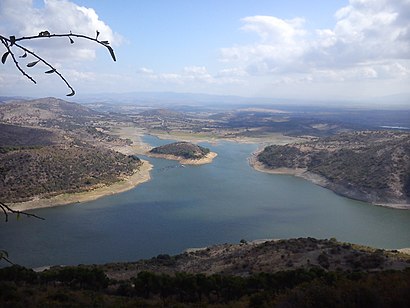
(312, 177)
(206, 160)
(273, 138)
(141, 175)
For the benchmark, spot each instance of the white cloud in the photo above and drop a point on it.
(22, 18)
(275, 30)
(282, 42)
(366, 32)
(192, 75)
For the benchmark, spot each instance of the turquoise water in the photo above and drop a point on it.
(196, 206)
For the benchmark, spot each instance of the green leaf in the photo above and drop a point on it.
(31, 64)
(4, 57)
(71, 40)
(50, 71)
(24, 55)
(72, 93)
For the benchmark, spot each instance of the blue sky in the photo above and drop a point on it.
(318, 49)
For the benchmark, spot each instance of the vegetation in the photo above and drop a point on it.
(13, 137)
(49, 146)
(79, 286)
(370, 166)
(184, 150)
(53, 170)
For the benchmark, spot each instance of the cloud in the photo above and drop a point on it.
(22, 18)
(282, 42)
(366, 33)
(193, 75)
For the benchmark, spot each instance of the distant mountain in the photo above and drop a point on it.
(369, 166)
(201, 99)
(184, 150)
(45, 112)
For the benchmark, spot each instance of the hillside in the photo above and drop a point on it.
(48, 171)
(50, 146)
(304, 272)
(369, 166)
(46, 112)
(13, 137)
(184, 150)
(270, 256)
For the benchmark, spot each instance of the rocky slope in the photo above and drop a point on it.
(268, 256)
(369, 166)
(50, 146)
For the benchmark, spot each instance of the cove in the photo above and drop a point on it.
(196, 206)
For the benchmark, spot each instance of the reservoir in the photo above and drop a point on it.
(195, 206)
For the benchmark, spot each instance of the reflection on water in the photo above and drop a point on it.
(198, 206)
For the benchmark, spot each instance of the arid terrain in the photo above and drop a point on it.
(50, 148)
(373, 166)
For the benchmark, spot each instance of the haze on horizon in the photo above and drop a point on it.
(327, 50)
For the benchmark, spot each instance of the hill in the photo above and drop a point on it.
(52, 170)
(265, 256)
(185, 150)
(13, 137)
(369, 166)
(304, 272)
(45, 112)
(50, 146)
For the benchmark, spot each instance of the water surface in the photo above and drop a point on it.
(196, 206)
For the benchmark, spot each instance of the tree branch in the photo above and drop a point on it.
(15, 61)
(8, 210)
(5, 256)
(12, 41)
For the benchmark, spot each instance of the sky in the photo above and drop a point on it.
(295, 49)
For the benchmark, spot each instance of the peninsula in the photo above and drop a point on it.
(371, 166)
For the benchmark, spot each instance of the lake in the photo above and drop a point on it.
(197, 206)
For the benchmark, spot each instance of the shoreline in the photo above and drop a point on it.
(313, 178)
(273, 138)
(141, 175)
(205, 160)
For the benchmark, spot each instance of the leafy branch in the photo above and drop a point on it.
(11, 44)
(8, 210)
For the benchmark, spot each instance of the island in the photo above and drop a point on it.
(185, 152)
(371, 166)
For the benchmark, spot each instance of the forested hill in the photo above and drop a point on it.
(304, 272)
(184, 150)
(49, 147)
(369, 166)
